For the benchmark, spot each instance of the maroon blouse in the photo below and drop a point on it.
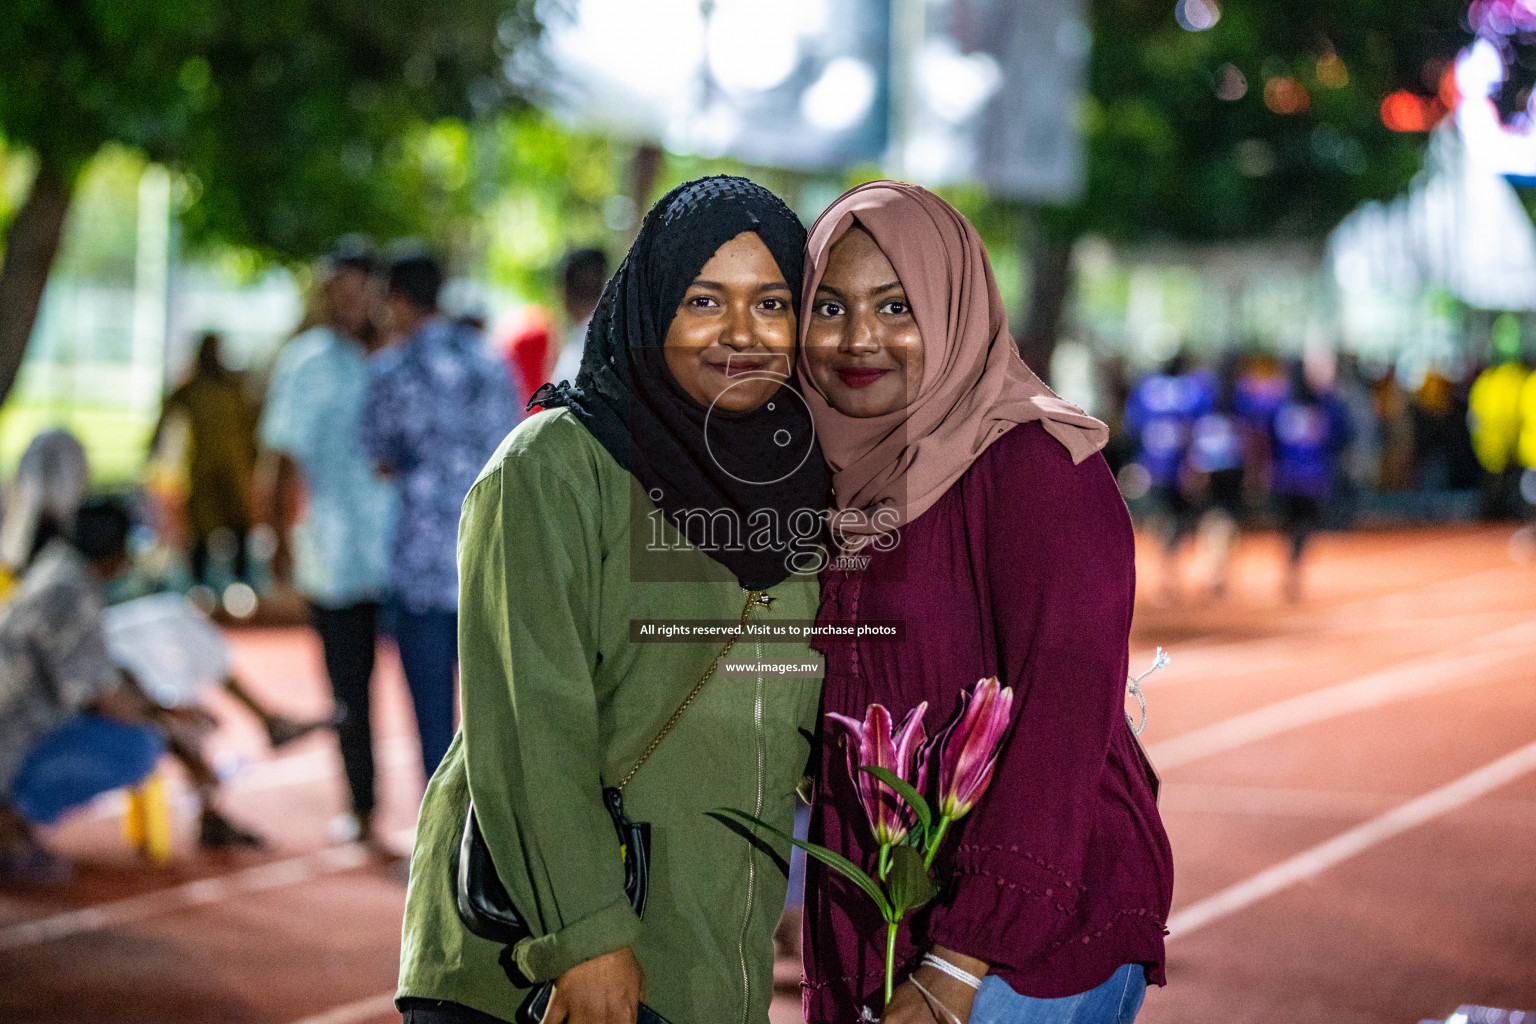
(1024, 569)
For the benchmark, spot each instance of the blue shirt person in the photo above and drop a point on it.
(1308, 437)
(314, 417)
(1161, 414)
(436, 410)
(1308, 431)
(312, 433)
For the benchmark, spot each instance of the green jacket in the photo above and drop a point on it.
(557, 701)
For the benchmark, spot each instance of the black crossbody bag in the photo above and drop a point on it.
(486, 909)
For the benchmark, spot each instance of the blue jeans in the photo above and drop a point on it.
(429, 649)
(1114, 1002)
(83, 758)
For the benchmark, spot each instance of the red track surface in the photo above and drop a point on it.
(1411, 665)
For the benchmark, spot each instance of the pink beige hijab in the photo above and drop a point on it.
(975, 386)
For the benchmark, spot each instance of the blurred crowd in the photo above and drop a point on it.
(341, 484)
(1314, 443)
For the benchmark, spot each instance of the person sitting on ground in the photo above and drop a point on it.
(41, 502)
(102, 529)
(70, 725)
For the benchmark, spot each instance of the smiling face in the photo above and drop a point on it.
(863, 349)
(732, 342)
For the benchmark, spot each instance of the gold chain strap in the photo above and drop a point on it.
(755, 599)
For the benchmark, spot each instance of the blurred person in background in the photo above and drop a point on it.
(532, 351)
(1397, 469)
(42, 499)
(1493, 417)
(528, 347)
(101, 535)
(1306, 435)
(1359, 463)
(1218, 450)
(1160, 415)
(436, 408)
(1439, 415)
(71, 726)
(333, 516)
(583, 273)
(1115, 382)
(211, 417)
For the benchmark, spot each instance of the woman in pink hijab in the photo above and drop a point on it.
(972, 504)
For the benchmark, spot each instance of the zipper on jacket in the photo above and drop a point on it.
(759, 598)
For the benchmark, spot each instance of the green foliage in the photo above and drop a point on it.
(907, 880)
(1169, 157)
(291, 121)
(842, 865)
(548, 190)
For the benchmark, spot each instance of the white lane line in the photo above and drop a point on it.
(201, 892)
(1341, 621)
(1265, 801)
(1340, 848)
(1467, 667)
(1323, 804)
(351, 1013)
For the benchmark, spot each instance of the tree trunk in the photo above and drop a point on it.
(30, 248)
(1048, 257)
(643, 170)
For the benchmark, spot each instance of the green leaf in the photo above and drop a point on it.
(847, 868)
(908, 880)
(905, 790)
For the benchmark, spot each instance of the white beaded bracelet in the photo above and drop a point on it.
(958, 973)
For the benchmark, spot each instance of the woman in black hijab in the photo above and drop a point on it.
(689, 419)
(676, 482)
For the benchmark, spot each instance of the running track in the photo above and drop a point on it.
(1350, 786)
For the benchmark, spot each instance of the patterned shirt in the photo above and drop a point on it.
(53, 654)
(314, 414)
(436, 410)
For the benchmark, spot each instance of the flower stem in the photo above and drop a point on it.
(890, 959)
(885, 860)
(938, 837)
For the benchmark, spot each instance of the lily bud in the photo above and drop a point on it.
(968, 748)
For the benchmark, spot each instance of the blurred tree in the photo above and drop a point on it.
(287, 119)
(1267, 123)
(552, 188)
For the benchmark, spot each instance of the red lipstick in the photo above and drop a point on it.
(860, 376)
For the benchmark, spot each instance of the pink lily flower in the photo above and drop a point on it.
(968, 748)
(871, 742)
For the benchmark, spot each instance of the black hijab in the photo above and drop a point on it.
(738, 485)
